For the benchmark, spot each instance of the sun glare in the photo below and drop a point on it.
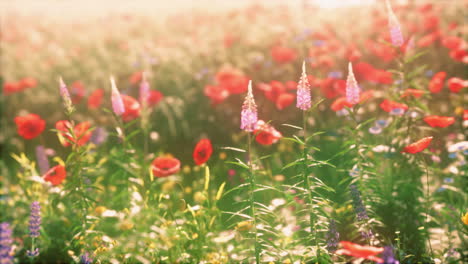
(340, 3)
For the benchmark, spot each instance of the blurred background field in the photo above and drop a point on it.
(198, 57)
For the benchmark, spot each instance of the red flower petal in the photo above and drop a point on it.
(29, 126)
(132, 108)
(439, 121)
(437, 82)
(418, 146)
(165, 166)
(56, 175)
(202, 151)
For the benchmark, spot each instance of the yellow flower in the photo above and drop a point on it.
(222, 156)
(199, 197)
(126, 225)
(464, 219)
(244, 225)
(100, 209)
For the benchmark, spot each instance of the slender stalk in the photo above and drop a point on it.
(426, 220)
(306, 183)
(252, 200)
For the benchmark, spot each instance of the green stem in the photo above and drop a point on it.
(426, 220)
(252, 200)
(306, 184)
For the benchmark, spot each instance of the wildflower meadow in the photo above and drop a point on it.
(260, 132)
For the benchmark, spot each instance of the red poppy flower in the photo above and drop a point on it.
(154, 97)
(291, 85)
(29, 126)
(81, 131)
(365, 71)
(412, 92)
(77, 92)
(284, 100)
(459, 54)
(437, 82)
(418, 146)
(273, 90)
(352, 54)
(358, 251)
(95, 98)
(428, 39)
(165, 166)
(136, 77)
(332, 87)
(366, 95)
(217, 94)
(202, 151)
(452, 42)
(431, 22)
(439, 121)
(11, 87)
(232, 80)
(388, 105)
(27, 82)
(283, 54)
(465, 114)
(266, 134)
(340, 103)
(132, 108)
(456, 84)
(56, 175)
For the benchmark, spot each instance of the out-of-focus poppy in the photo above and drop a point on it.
(428, 39)
(281, 54)
(202, 151)
(452, 42)
(132, 108)
(136, 77)
(388, 106)
(358, 251)
(412, 92)
(95, 99)
(165, 166)
(154, 97)
(77, 92)
(331, 87)
(11, 87)
(232, 80)
(340, 103)
(437, 82)
(217, 94)
(439, 121)
(56, 175)
(266, 134)
(455, 84)
(460, 54)
(284, 100)
(418, 146)
(29, 126)
(27, 82)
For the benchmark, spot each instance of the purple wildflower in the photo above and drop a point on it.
(35, 219)
(42, 160)
(394, 27)
(5, 243)
(333, 237)
(352, 88)
(32, 253)
(144, 90)
(303, 91)
(249, 111)
(359, 208)
(86, 259)
(388, 256)
(117, 102)
(99, 136)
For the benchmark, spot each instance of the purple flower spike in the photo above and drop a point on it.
(352, 88)
(86, 259)
(117, 102)
(394, 27)
(35, 219)
(249, 111)
(303, 91)
(42, 160)
(65, 95)
(5, 243)
(144, 90)
(388, 256)
(358, 205)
